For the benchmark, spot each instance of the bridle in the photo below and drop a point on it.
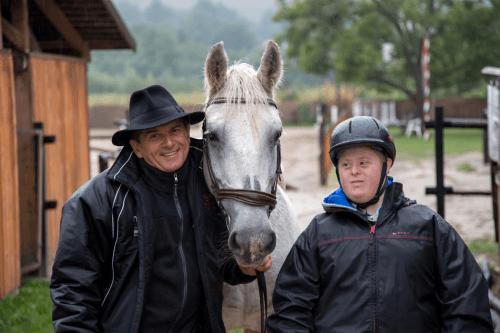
(246, 196)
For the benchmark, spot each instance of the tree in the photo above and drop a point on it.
(347, 36)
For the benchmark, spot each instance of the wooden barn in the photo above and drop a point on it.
(44, 148)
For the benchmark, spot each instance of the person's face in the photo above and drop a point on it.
(359, 170)
(165, 147)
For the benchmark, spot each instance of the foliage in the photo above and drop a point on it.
(347, 37)
(172, 45)
(29, 310)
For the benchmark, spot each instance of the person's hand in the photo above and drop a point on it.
(264, 266)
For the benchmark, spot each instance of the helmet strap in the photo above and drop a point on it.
(380, 190)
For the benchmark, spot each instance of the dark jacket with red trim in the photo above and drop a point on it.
(105, 254)
(410, 272)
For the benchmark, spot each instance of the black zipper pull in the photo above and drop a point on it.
(136, 227)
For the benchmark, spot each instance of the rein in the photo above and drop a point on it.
(246, 196)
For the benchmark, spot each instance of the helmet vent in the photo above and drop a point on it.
(376, 124)
(350, 127)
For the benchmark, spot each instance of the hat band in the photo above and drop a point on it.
(155, 115)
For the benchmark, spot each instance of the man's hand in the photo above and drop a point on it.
(264, 266)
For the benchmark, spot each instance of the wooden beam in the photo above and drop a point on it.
(57, 17)
(34, 42)
(12, 34)
(20, 21)
(1, 33)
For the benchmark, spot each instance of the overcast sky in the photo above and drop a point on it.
(251, 9)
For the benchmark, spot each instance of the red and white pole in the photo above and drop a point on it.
(426, 75)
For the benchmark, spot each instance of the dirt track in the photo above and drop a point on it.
(471, 216)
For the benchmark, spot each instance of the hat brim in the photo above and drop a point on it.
(122, 137)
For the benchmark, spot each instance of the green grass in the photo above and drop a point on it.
(28, 311)
(465, 167)
(456, 141)
(484, 247)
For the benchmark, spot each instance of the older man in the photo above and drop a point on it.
(142, 245)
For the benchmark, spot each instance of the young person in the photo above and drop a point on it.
(376, 261)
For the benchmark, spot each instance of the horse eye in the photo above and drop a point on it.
(211, 136)
(277, 136)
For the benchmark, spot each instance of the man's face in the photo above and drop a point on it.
(359, 170)
(165, 147)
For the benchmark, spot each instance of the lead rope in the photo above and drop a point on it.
(261, 281)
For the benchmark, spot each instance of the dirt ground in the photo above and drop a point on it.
(471, 215)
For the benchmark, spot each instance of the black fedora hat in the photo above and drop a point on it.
(150, 107)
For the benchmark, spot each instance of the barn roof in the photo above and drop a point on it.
(70, 27)
(96, 21)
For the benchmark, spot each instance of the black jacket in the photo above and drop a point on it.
(103, 261)
(410, 272)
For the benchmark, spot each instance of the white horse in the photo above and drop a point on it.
(242, 132)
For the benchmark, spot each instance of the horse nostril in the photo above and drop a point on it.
(270, 242)
(233, 243)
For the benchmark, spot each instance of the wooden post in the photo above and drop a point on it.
(439, 147)
(1, 33)
(494, 195)
(10, 270)
(25, 132)
(20, 21)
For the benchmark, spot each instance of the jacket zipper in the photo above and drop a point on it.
(181, 250)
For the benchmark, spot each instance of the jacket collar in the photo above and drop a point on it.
(126, 169)
(393, 199)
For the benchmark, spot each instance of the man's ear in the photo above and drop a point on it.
(136, 147)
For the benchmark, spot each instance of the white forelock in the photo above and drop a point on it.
(242, 82)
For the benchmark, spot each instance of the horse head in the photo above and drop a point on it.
(242, 158)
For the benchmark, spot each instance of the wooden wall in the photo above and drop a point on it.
(10, 265)
(60, 103)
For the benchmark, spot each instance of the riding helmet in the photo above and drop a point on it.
(361, 130)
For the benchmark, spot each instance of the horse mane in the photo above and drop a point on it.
(241, 83)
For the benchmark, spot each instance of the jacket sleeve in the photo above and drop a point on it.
(76, 286)
(233, 274)
(462, 289)
(297, 287)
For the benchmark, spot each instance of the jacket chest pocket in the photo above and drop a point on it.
(125, 247)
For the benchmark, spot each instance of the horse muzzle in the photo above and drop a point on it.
(250, 247)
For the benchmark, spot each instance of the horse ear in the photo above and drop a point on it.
(271, 68)
(215, 68)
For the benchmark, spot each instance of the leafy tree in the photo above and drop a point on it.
(347, 36)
